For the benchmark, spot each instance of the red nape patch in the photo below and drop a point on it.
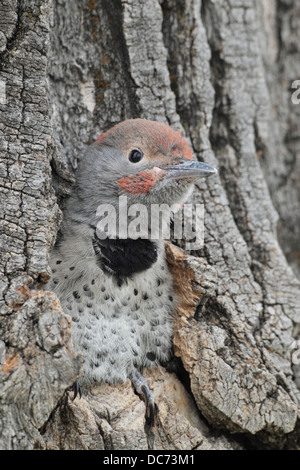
(100, 138)
(141, 183)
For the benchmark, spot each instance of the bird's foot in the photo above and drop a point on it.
(76, 389)
(141, 387)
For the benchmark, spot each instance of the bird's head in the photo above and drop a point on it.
(146, 161)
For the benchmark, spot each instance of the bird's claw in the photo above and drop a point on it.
(142, 388)
(77, 390)
(150, 405)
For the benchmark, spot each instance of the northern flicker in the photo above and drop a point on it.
(119, 291)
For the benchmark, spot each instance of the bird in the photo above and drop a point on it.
(118, 290)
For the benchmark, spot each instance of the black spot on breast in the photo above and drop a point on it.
(135, 292)
(72, 268)
(89, 294)
(145, 297)
(151, 356)
(58, 261)
(76, 295)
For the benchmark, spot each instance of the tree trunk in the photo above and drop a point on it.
(221, 72)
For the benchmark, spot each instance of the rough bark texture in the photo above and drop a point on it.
(220, 71)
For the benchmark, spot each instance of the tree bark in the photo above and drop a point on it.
(221, 73)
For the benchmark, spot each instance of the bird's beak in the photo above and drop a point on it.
(188, 170)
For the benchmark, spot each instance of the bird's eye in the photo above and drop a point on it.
(135, 156)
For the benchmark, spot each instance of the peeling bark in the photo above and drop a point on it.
(215, 71)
